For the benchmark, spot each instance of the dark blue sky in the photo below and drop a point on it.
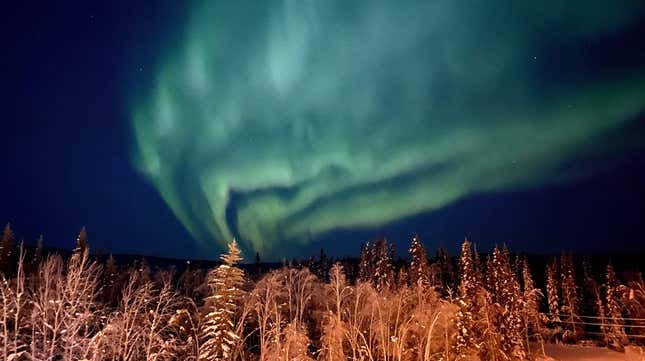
(71, 70)
(68, 68)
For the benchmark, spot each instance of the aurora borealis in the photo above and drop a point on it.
(275, 122)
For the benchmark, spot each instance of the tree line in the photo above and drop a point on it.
(473, 307)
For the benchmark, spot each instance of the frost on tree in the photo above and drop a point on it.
(570, 300)
(533, 319)
(552, 294)
(376, 264)
(616, 337)
(218, 332)
(466, 345)
(419, 273)
(506, 293)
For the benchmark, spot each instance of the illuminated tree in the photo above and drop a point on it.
(65, 308)
(13, 313)
(570, 300)
(419, 272)
(367, 265)
(467, 344)
(478, 268)
(552, 292)
(532, 317)
(616, 336)
(219, 336)
(383, 272)
(507, 293)
(634, 301)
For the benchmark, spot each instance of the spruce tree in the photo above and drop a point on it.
(218, 332)
(591, 295)
(447, 276)
(570, 300)
(419, 269)
(532, 296)
(384, 270)
(466, 344)
(478, 268)
(588, 306)
(616, 337)
(491, 276)
(366, 266)
(507, 294)
(468, 283)
(552, 292)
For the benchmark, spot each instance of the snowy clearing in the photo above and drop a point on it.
(584, 353)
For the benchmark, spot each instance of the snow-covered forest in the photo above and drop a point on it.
(471, 307)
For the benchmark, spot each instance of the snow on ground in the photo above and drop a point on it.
(590, 353)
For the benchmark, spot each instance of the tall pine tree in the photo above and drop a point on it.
(552, 292)
(507, 293)
(419, 272)
(219, 336)
(466, 345)
(570, 300)
(447, 274)
(532, 296)
(367, 264)
(384, 269)
(616, 337)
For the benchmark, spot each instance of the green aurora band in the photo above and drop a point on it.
(278, 122)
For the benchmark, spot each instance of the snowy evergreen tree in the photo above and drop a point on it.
(552, 292)
(507, 293)
(602, 315)
(587, 291)
(218, 332)
(321, 267)
(447, 273)
(384, 270)
(367, 265)
(491, 276)
(634, 302)
(467, 344)
(478, 267)
(616, 337)
(532, 295)
(419, 272)
(468, 283)
(570, 300)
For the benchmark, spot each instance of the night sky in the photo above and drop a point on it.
(297, 125)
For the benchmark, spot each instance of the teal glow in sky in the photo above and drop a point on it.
(280, 121)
